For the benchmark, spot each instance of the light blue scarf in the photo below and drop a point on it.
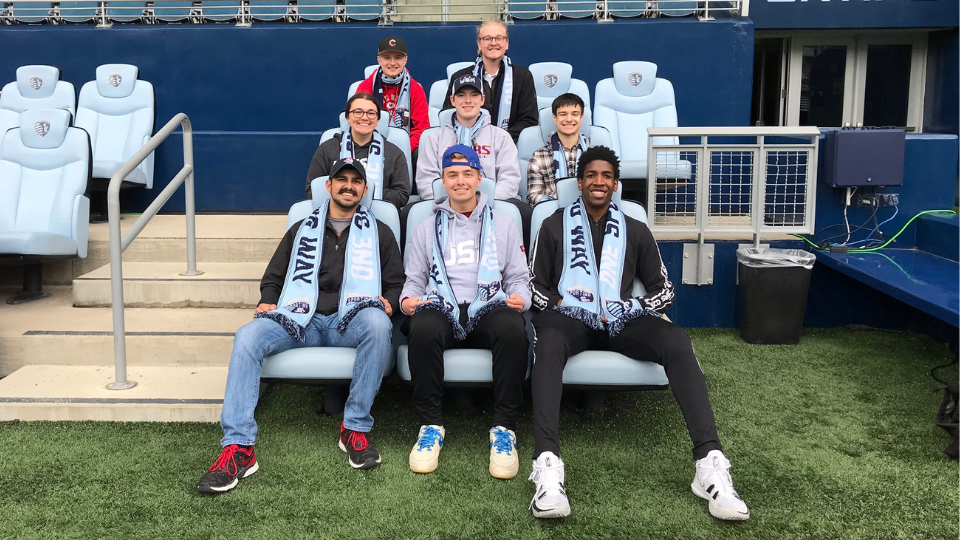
(560, 160)
(506, 89)
(467, 135)
(374, 162)
(398, 120)
(587, 293)
(490, 294)
(359, 289)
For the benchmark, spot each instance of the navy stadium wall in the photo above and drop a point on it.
(260, 97)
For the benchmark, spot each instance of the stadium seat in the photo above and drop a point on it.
(676, 8)
(552, 79)
(627, 8)
(601, 368)
(534, 137)
(367, 71)
(438, 91)
(221, 10)
(44, 170)
(126, 11)
(362, 10)
(526, 9)
(36, 87)
(173, 10)
(316, 10)
(629, 103)
(576, 9)
(461, 366)
(268, 10)
(31, 12)
(328, 366)
(118, 111)
(78, 12)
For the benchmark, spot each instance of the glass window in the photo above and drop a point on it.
(887, 89)
(822, 85)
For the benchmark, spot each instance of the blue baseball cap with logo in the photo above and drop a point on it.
(466, 80)
(473, 160)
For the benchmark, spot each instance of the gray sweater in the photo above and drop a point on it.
(461, 256)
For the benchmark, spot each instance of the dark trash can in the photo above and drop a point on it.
(773, 291)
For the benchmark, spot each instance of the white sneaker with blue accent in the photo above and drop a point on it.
(504, 463)
(714, 483)
(550, 499)
(425, 455)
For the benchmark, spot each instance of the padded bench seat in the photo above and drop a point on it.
(921, 279)
(314, 363)
(611, 369)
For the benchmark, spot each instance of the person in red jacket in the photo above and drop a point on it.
(397, 92)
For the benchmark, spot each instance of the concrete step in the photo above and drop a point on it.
(52, 331)
(159, 284)
(220, 238)
(74, 393)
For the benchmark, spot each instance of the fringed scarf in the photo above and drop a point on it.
(560, 160)
(490, 294)
(506, 90)
(359, 289)
(588, 294)
(374, 163)
(467, 135)
(400, 118)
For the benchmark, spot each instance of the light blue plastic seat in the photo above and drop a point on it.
(125, 11)
(221, 10)
(367, 71)
(527, 9)
(460, 366)
(316, 10)
(438, 91)
(118, 111)
(268, 10)
(677, 8)
(36, 87)
(626, 9)
(629, 103)
(601, 368)
(172, 10)
(551, 79)
(78, 12)
(329, 366)
(576, 9)
(44, 171)
(362, 10)
(535, 137)
(31, 12)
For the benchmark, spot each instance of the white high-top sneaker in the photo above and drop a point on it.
(550, 500)
(425, 455)
(504, 462)
(714, 483)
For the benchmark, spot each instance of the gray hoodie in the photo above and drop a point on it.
(497, 152)
(461, 255)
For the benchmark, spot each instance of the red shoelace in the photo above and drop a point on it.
(227, 460)
(357, 440)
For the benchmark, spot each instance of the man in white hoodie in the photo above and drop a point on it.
(467, 283)
(470, 126)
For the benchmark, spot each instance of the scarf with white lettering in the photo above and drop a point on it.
(468, 135)
(506, 90)
(587, 293)
(374, 162)
(560, 159)
(490, 294)
(359, 289)
(400, 118)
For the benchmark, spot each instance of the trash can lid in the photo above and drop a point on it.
(772, 257)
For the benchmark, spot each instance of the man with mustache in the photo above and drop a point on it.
(320, 289)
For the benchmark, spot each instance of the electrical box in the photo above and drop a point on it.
(863, 157)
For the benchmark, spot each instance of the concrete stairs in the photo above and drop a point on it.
(56, 354)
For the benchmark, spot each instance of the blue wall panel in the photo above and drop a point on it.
(268, 91)
(819, 14)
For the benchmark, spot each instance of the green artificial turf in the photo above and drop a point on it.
(833, 438)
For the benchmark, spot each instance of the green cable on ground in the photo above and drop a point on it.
(905, 225)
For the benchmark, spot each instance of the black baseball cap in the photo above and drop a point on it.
(392, 44)
(348, 163)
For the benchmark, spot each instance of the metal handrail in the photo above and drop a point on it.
(119, 244)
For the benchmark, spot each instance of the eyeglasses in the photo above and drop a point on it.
(486, 40)
(360, 113)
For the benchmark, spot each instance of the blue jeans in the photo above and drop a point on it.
(370, 332)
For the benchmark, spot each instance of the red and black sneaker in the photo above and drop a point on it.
(362, 454)
(234, 463)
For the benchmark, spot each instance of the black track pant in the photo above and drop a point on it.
(501, 331)
(559, 337)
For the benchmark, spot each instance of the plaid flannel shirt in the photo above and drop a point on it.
(541, 176)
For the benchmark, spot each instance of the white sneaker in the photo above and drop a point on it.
(504, 462)
(425, 455)
(550, 500)
(713, 483)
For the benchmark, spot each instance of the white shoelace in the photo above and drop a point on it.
(716, 471)
(549, 480)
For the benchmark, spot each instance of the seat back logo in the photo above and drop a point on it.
(115, 79)
(634, 78)
(35, 82)
(550, 79)
(42, 127)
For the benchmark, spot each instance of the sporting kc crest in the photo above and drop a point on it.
(634, 78)
(35, 82)
(115, 79)
(42, 127)
(550, 79)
